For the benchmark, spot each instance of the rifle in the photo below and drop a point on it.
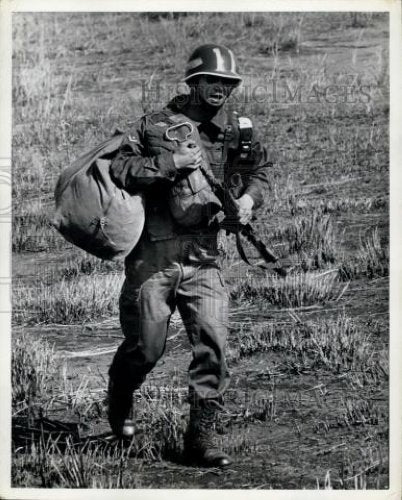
(231, 224)
(230, 207)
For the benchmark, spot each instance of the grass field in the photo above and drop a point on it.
(308, 403)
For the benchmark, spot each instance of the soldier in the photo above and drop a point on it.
(177, 260)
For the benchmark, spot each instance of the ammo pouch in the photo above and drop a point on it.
(191, 200)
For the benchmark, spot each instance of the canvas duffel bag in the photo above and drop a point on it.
(91, 211)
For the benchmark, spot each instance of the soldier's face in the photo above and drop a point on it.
(213, 90)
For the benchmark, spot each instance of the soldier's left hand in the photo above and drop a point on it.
(245, 204)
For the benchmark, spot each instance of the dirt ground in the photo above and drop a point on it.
(287, 426)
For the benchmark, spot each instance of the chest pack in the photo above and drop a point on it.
(191, 200)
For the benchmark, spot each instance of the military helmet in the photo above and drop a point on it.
(212, 59)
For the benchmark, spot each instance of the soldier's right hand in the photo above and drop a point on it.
(187, 156)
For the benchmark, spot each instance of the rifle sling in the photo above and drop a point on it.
(247, 230)
(240, 249)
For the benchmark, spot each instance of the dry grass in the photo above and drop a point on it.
(55, 458)
(337, 345)
(82, 263)
(312, 238)
(296, 290)
(90, 465)
(371, 260)
(34, 233)
(363, 474)
(298, 205)
(83, 299)
(161, 427)
(32, 369)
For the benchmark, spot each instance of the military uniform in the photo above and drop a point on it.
(177, 262)
(175, 266)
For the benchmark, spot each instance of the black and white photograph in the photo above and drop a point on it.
(200, 251)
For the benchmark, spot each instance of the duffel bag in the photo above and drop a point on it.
(91, 211)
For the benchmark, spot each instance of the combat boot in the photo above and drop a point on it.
(120, 411)
(200, 444)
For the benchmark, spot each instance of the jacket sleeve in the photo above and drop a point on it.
(256, 174)
(133, 170)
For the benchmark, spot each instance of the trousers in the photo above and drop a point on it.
(160, 276)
